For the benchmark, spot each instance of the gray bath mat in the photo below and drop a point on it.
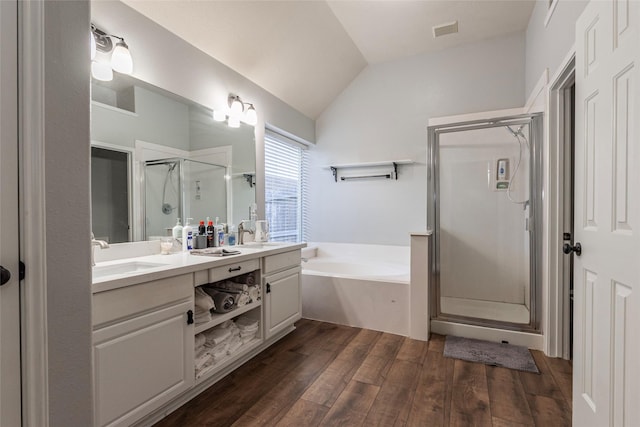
(490, 353)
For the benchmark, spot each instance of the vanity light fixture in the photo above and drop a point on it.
(238, 111)
(102, 65)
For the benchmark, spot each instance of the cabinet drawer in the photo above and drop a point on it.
(125, 302)
(281, 261)
(231, 270)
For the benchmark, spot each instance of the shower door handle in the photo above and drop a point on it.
(577, 248)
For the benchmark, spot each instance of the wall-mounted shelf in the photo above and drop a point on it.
(392, 174)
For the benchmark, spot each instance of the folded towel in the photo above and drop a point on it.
(202, 317)
(203, 300)
(243, 299)
(231, 286)
(234, 344)
(225, 302)
(217, 335)
(254, 293)
(200, 339)
(245, 279)
(247, 323)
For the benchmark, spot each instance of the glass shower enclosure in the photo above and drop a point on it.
(182, 188)
(485, 213)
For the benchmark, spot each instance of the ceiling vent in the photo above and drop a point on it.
(444, 29)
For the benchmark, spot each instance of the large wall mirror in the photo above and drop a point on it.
(156, 156)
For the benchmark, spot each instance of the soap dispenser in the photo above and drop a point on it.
(177, 230)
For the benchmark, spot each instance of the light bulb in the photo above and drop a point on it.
(236, 107)
(250, 116)
(101, 71)
(93, 45)
(121, 58)
(234, 122)
(219, 116)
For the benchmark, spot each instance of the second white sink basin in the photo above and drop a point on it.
(124, 268)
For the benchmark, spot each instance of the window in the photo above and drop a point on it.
(286, 165)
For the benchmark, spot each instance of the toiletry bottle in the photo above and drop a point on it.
(177, 230)
(202, 230)
(210, 233)
(187, 235)
(221, 235)
(232, 235)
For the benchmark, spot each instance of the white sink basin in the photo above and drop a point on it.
(124, 268)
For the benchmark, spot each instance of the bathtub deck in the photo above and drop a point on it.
(326, 374)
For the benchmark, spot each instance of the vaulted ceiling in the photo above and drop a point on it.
(307, 52)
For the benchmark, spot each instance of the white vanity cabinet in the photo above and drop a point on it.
(144, 335)
(142, 348)
(282, 296)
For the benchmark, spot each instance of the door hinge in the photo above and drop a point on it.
(190, 317)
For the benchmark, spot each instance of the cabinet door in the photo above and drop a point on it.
(283, 304)
(142, 363)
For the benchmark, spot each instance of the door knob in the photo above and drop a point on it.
(577, 248)
(5, 275)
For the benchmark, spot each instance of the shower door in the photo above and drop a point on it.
(484, 197)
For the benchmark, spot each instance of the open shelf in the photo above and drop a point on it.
(218, 318)
(228, 359)
(391, 174)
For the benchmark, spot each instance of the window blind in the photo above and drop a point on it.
(286, 166)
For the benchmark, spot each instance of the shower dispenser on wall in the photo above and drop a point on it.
(499, 173)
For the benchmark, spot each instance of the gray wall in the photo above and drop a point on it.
(548, 46)
(383, 115)
(67, 237)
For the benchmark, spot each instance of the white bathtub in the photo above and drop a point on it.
(366, 286)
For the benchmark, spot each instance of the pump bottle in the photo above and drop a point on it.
(187, 236)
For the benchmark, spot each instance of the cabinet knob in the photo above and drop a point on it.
(190, 317)
(5, 275)
(268, 288)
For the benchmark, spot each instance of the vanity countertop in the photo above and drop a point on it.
(153, 267)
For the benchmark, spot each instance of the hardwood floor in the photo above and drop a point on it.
(330, 375)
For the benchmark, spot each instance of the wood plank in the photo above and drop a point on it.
(376, 365)
(413, 351)
(507, 397)
(436, 343)
(499, 422)
(549, 412)
(393, 403)
(303, 413)
(470, 396)
(542, 384)
(270, 408)
(328, 386)
(428, 406)
(352, 406)
(562, 372)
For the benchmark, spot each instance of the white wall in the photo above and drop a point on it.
(548, 46)
(66, 177)
(383, 115)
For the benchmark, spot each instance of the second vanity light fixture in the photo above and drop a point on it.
(101, 65)
(238, 111)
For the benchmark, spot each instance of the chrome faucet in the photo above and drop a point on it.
(94, 243)
(242, 230)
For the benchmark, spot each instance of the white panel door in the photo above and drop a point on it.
(9, 248)
(607, 216)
